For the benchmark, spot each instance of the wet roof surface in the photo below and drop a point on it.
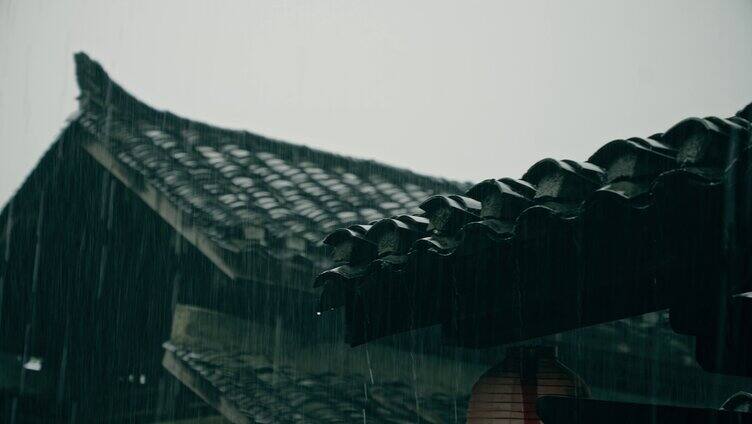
(261, 392)
(230, 182)
(641, 223)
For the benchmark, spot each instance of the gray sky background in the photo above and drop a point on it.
(467, 89)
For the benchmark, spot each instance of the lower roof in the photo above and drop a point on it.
(249, 388)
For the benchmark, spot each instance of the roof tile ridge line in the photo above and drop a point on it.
(90, 72)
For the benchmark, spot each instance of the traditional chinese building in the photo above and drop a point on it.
(157, 269)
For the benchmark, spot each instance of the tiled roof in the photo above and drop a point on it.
(654, 365)
(239, 189)
(251, 389)
(641, 225)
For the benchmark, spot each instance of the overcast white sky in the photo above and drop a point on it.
(466, 89)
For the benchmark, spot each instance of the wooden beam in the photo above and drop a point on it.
(154, 199)
(203, 389)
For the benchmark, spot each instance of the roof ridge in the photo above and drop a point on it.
(97, 86)
(579, 224)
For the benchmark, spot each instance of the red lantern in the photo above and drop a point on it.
(507, 392)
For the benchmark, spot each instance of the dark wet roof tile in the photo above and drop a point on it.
(633, 158)
(563, 180)
(394, 236)
(575, 243)
(448, 213)
(502, 199)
